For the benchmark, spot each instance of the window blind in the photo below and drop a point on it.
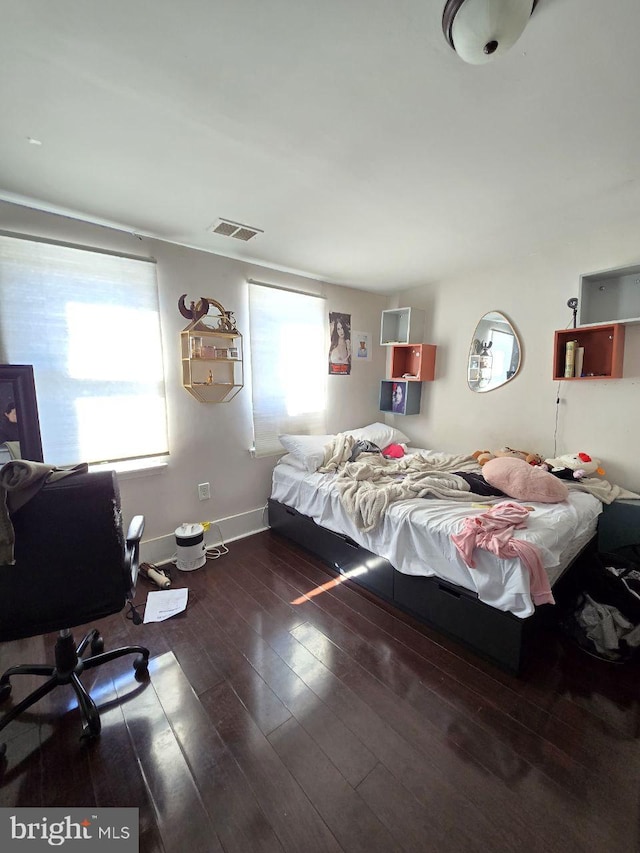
(89, 324)
(288, 365)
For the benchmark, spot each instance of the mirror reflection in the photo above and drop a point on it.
(494, 355)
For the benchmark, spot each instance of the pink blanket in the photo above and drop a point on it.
(493, 531)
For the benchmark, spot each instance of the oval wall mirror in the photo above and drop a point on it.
(494, 355)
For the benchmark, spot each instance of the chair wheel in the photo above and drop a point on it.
(97, 645)
(141, 664)
(5, 691)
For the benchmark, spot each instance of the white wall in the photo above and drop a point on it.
(600, 417)
(209, 442)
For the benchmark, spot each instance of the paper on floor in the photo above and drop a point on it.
(164, 604)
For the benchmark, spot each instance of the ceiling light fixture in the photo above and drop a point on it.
(480, 30)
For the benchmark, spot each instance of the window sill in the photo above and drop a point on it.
(134, 467)
(267, 454)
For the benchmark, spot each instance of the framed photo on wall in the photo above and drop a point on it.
(361, 342)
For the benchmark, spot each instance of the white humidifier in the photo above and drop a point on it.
(191, 551)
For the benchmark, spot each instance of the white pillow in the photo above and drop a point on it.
(309, 449)
(293, 462)
(379, 434)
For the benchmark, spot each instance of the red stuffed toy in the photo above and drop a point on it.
(393, 451)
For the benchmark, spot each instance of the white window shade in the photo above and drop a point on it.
(89, 324)
(288, 365)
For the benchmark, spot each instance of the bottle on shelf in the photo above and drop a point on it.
(570, 359)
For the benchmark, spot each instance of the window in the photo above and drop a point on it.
(89, 324)
(288, 365)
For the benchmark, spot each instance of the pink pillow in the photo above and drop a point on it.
(524, 482)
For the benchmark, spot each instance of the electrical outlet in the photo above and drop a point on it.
(204, 491)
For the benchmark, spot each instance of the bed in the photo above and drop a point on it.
(410, 560)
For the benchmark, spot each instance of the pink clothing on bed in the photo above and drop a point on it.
(493, 531)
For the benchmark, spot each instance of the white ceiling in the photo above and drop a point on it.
(348, 130)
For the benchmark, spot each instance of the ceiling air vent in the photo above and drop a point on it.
(227, 228)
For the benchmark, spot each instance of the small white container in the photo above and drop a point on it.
(190, 547)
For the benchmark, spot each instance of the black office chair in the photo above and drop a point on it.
(73, 564)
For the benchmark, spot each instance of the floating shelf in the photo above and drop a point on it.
(611, 296)
(212, 363)
(400, 397)
(603, 351)
(402, 326)
(419, 360)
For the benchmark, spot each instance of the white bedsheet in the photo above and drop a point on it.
(415, 535)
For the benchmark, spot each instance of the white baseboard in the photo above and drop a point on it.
(163, 548)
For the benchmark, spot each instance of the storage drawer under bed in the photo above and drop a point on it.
(460, 614)
(497, 635)
(337, 550)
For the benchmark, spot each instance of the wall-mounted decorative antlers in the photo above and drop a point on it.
(196, 310)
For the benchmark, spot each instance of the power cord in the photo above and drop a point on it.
(555, 429)
(573, 304)
(133, 615)
(213, 552)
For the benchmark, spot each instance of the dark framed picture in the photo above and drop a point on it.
(397, 397)
(19, 422)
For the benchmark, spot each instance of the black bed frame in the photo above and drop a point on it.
(496, 635)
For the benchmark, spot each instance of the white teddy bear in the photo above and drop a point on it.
(574, 466)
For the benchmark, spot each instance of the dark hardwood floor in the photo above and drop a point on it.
(286, 711)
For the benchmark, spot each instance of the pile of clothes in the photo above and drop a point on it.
(605, 617)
